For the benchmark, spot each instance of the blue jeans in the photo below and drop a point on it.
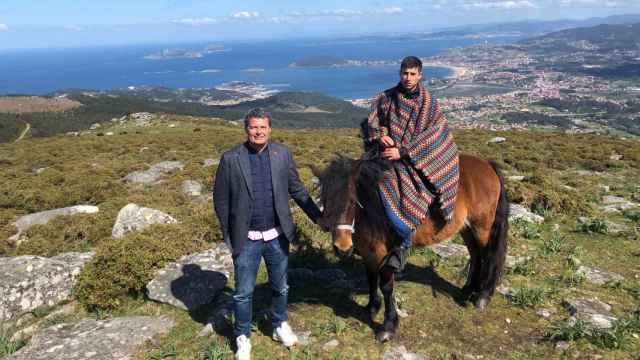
(245, 265)
(399, 226)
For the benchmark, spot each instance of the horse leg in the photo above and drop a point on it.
(391, 319)
(475, 262)
(492, 237)
(375, 302)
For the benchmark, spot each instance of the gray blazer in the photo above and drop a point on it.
(233, 196)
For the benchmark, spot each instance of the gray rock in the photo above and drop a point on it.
(30, 282)
(304, 338)
(605, 188)
(154, 173)
(520, 212)
(513, 261)
(449, 249)
(193, 280)
(497, 139)
(191, 188)
(39, 170)
(116, 338)
(43, 217)
(592, 311)
(545, 313)
(401, 353)
(330, 344)
(329, 275)
(515, 177)
(135, 218)
(562, 345)
(210, 162)
(599, 276)
(143, 119)
(614, 204)
(587, 173)
(505, 291)
(616, 157)
(94, 126)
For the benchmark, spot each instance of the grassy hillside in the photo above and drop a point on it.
(564, 178)
(289, 109)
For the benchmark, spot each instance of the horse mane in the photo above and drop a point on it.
(334, 180)
(369, 171)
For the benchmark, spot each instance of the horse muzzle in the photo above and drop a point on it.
(343, 253)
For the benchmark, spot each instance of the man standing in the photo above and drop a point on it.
(406, 122)
(251, 197)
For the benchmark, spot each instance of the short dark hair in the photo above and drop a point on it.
(259, 113)
(411, 62)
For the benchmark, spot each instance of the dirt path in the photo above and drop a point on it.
(24, 132)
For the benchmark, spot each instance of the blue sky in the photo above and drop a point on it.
(70, 23)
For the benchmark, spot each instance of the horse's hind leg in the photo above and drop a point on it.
(375, 302)
(390, 314)
(472, 285)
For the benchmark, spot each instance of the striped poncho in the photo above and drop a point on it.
(417, 125)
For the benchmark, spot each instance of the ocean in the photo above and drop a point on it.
(265, 63)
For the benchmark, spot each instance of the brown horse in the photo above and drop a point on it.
(354, 212)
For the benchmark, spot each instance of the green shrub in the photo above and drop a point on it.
(66, 233)
(592, 226)
(524, 296)
(215, 350)
(123, 266)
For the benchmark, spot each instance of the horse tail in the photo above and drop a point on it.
(497, 246)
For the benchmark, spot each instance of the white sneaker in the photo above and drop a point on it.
(285, 335)
(244, 348)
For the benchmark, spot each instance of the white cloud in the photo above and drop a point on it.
(196, 21)
(74, 28)
(393, 10)
(599, 3)
(4, 27)
(245, 15)
(499, 4)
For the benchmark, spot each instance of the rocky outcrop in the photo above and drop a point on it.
(599, 276)
(592, 311)
(193, 280)
(142, 119)
(401, 353)
(210, 162)
(615, 204)
(191, 188)
(449, 249)
(154, 173)
(497, 139)
(31, 282)
(116, 338)
(43, 217)
(135, 218)
(520, 212)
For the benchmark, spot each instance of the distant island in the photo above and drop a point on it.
(332, 61)
(169, 54)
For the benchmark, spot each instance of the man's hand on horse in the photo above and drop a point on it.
(391, 153)
(387, 141)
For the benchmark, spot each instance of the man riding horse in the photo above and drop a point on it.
(408, 125)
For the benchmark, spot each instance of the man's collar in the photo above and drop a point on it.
(408, 94)
(252, 150)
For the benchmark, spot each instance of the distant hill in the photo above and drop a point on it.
(597, 38)
(531, 28)
(289, 109)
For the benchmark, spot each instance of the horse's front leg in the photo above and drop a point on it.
(375, 302)
(390, 315)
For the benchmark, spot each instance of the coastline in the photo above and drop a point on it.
(457, 72)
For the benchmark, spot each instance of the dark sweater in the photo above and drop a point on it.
(263, 213)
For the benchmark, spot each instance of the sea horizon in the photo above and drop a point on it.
(212, 64)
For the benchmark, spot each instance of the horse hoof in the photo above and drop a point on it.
(482, 303)
(384, 336)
